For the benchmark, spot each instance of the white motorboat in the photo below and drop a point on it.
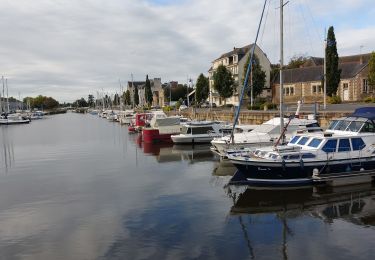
(13, 119)
(262, 135)
(199, 132)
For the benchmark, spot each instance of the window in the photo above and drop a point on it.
(320, 89)
(368, 128)
(355, 126)
(344, 145)
(292, 91)
(308, 156)
(294, 157)
(315, 142)
(365, 88)
(201, 130)
(330, 146)
(303, 140)
(287, 91)
(333, 124)
(313, 89)
(294, 139)
(357, 144)
(342, 125)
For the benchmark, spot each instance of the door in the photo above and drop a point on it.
(345, 92)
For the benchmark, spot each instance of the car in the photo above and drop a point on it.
(205, 105)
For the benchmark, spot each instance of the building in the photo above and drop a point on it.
(156, 88)
(305, 83)
(234, 61)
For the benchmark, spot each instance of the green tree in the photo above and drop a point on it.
(136, 96)
(80, 103)
(201, 88)
(50, 103)
(332, 64)
(371, 71)
(90, 100)
(116, 100)
(148, 92)
(258, 77)
(296, 61)
(127, 98)
(224, 82)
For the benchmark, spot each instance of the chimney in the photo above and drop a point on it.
(234, 48)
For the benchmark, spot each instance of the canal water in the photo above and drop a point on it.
(76, 186)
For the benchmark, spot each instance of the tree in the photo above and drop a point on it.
(371, 71)
(116, 100)
(332, 64)
(258, 77)
(201, 88)
(223, 82)
(90, 100)
(127, 98)
(296, 61)
(148, 92)
(136, 96)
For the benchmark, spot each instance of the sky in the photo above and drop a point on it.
(68, 49)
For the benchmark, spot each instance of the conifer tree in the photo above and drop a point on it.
(332, 64)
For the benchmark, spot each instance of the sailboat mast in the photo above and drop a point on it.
(281, 68)
(325, 71)
(6, 84)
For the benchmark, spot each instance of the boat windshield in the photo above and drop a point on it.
(352, 124)
(185, 130)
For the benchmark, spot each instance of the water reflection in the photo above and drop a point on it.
(168, 152)
(352, 204)
(6, 150)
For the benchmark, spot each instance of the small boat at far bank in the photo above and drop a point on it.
(13, 119)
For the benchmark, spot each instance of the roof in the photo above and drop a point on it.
(238, 51)
(315, 73)
(366, 112)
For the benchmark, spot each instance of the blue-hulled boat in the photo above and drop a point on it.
(347, 146)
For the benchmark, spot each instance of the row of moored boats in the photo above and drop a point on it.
(297, 153)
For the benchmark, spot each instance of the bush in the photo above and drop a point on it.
(167, 108)
(255, 107)
(369, 100)
(334, 100)
(178, 104)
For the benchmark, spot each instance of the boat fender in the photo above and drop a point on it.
(283, 164)
(301, 163)
(315, 173)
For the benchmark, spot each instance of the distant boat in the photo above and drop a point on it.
(13, 119)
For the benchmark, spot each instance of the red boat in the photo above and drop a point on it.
(141, 120)
(161, 128)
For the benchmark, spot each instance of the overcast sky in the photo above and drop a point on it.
(70, 48)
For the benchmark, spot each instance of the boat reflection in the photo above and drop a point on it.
(165, 152)
(224, 168)
(6, 151)
(355, 203)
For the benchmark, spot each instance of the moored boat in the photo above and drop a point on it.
(347, 146)
(161, 128)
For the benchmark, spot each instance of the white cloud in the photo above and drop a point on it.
(68, 48)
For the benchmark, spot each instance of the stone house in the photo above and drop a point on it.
(305, 83)
(156, 88)
(234, 61)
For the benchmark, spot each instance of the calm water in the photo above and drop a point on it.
(78, 187)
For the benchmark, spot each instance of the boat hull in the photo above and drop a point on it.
(154, 136)
(300, 170)
(15, 122)
(192, 139)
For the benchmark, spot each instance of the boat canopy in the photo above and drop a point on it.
(366, 112)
